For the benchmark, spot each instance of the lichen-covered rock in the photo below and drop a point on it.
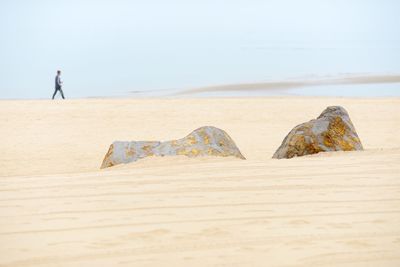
(331, 131)
(204, 141)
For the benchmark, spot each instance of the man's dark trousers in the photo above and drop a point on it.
(55, 92)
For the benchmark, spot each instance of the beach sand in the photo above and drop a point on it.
(58, 208)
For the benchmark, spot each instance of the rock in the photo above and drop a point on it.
(203, 141)
(331, 131)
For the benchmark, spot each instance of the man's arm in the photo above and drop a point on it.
(59, 82)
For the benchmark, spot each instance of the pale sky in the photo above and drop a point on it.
(107, 47)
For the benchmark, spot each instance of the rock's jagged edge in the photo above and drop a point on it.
(331, 131)
(204, 141)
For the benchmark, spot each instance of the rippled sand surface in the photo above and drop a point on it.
(332, 209)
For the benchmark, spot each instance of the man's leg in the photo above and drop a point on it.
(55, 92)
(62, 94)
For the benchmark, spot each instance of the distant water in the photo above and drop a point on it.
(258, 60)
(342, 86)
(261, 60)
(370, 90)
(158, 72)
(155, 48)
(354, 90)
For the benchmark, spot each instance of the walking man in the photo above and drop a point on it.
(58, 85)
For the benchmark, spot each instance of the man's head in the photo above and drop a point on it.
(59, 72)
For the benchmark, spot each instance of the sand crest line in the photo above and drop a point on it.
(292, 84)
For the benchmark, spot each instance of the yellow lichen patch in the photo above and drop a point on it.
(334, 136)
(355, 139)
(107, 161)
(130, 152)
(213, 152)
(346, 146)
(328, 141)
(300, 143)
(148, 150)
(194, 152)
(182, 152)
(204, 136)
(314, 148)
(337, 126)
(206, 139)
(191, 140)
(296, 145)
(296, 139)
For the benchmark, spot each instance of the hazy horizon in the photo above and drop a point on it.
(107, 48)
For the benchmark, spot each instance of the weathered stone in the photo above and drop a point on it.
(204, 141)
(331, 131)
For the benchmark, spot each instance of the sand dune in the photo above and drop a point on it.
(296, 83)
(332, 209)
